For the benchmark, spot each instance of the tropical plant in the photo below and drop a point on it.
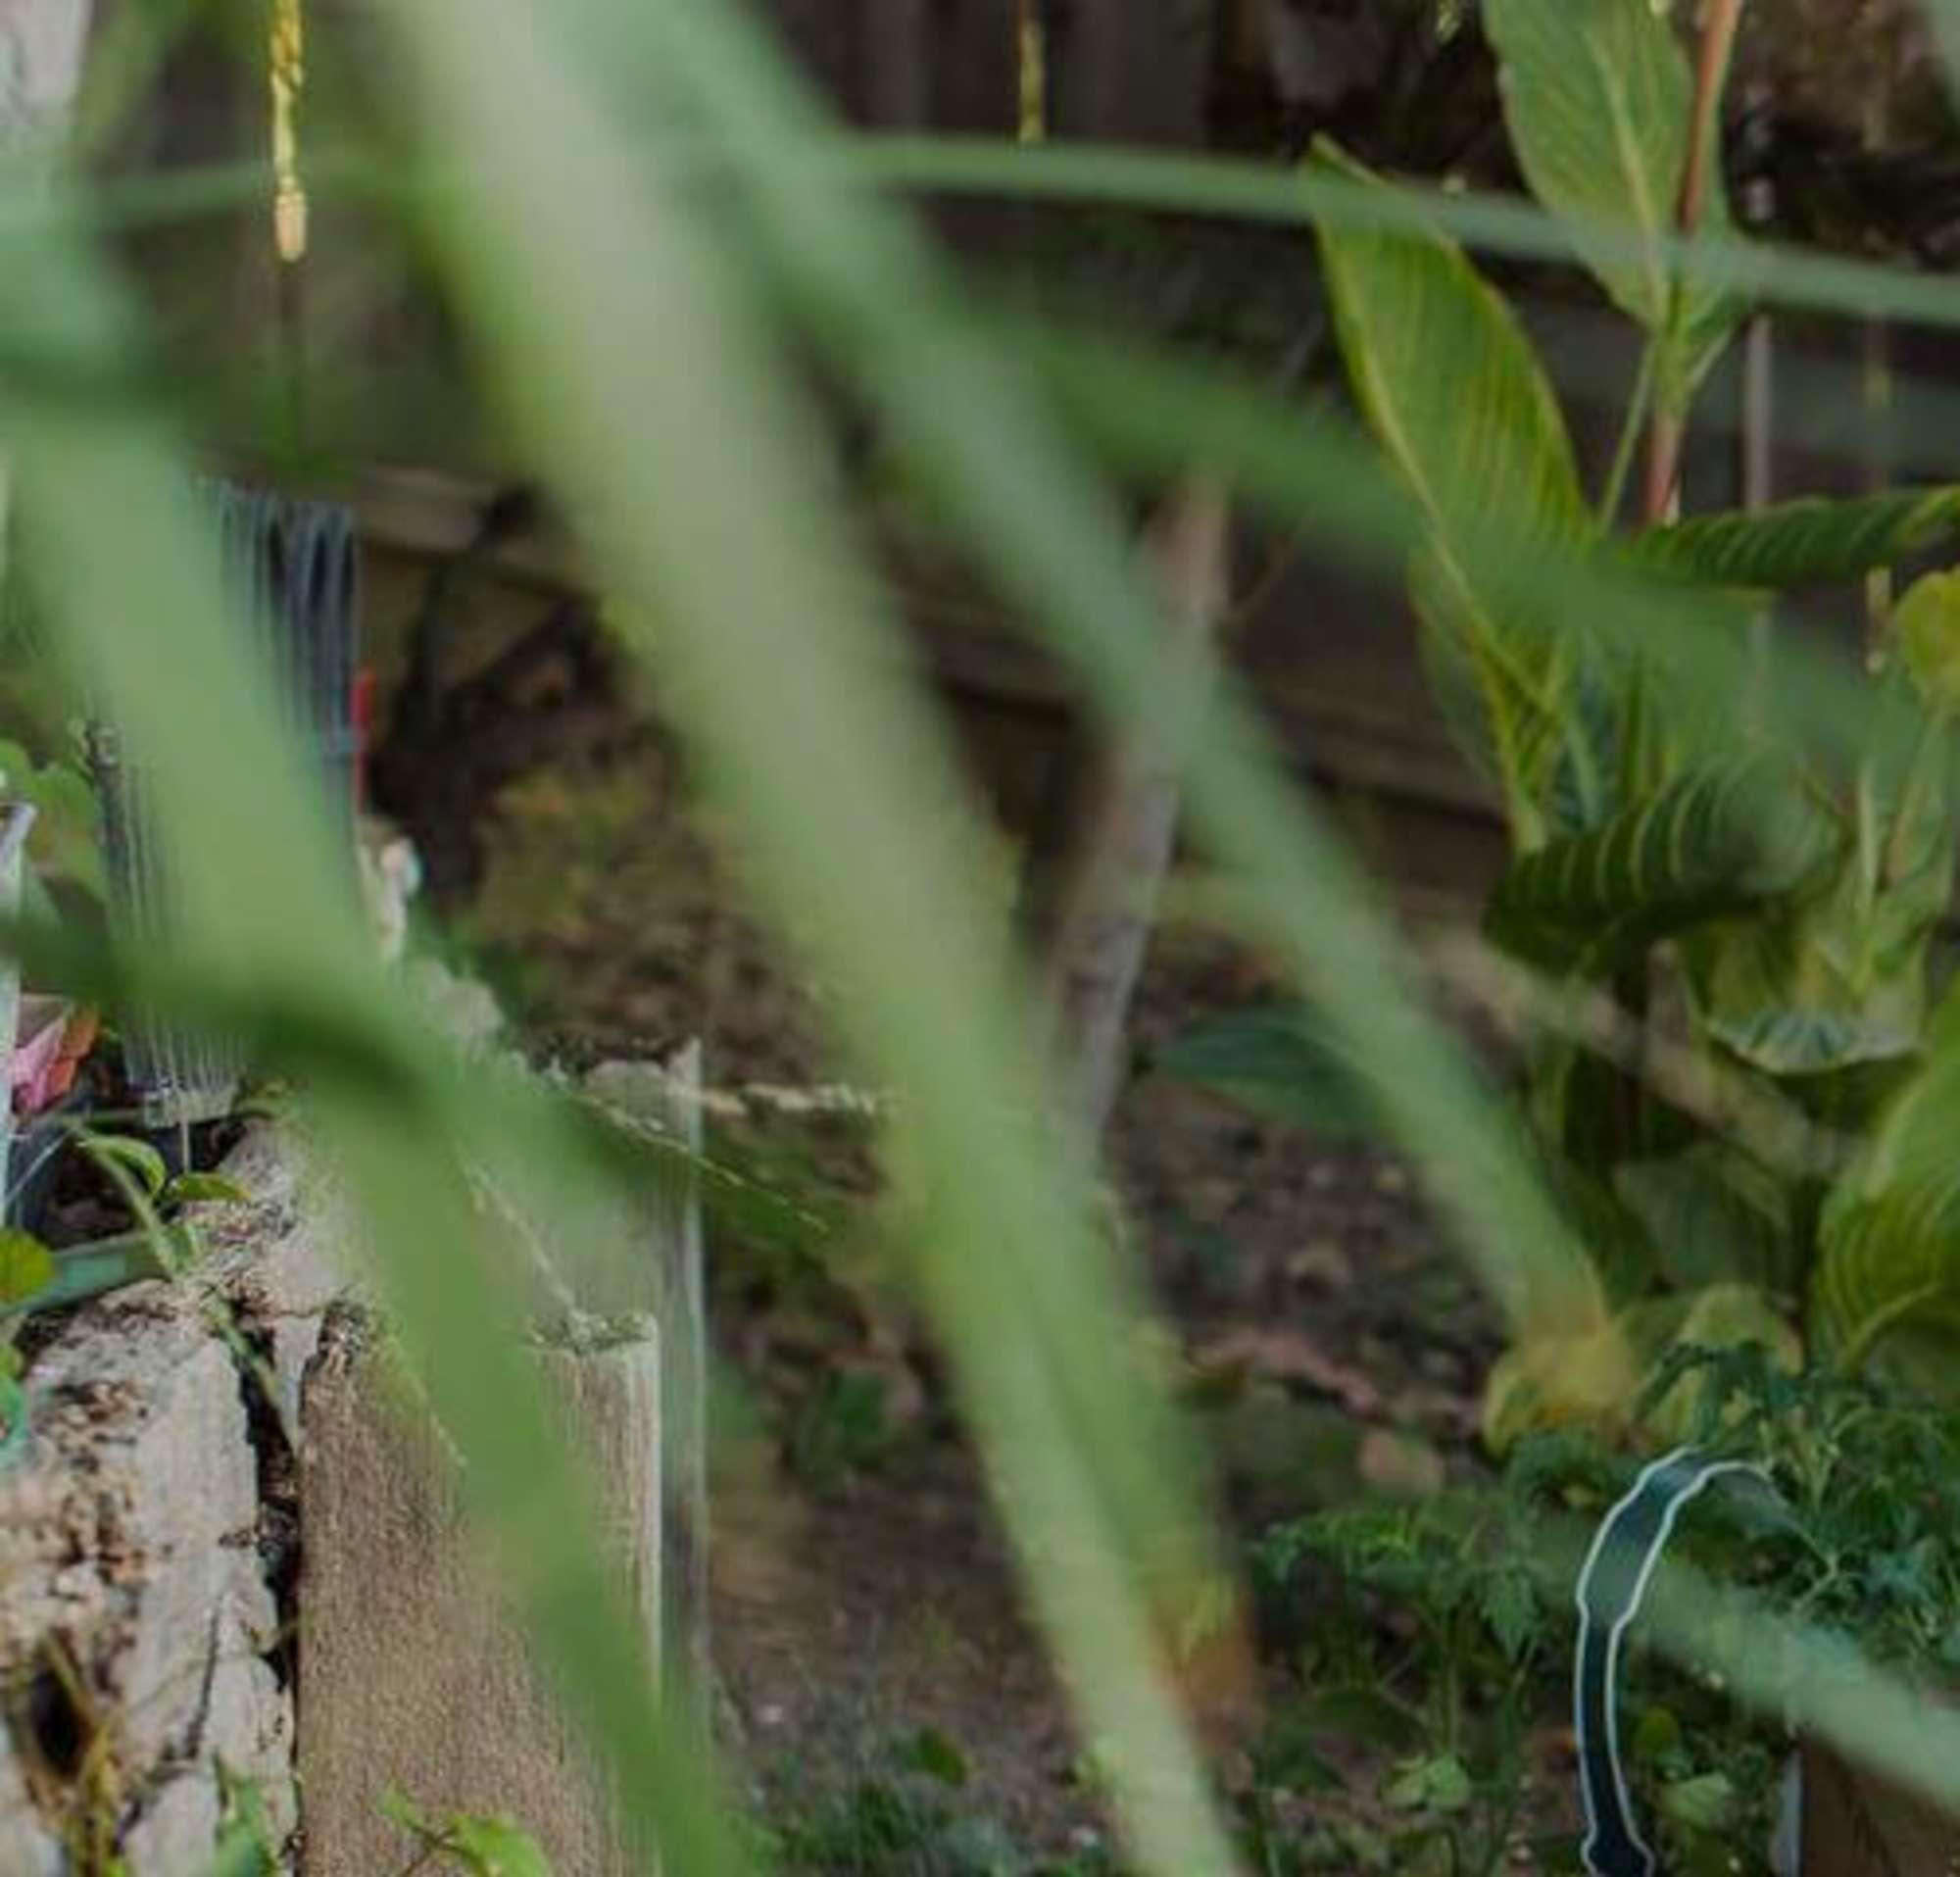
(1666, 837)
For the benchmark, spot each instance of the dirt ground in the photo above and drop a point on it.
(863, 1595)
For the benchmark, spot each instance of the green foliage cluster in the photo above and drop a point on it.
(1444, 1628)
(1677, 845)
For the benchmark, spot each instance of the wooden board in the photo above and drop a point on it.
(412, 1672)
(1857, 1825)
(668, 1095)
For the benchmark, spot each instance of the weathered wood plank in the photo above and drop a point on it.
(413, 1672)
(668, 1095)
(1856, 1824)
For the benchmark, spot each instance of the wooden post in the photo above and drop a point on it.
(1858, 1825)
(668, 1097)
(413, 1672)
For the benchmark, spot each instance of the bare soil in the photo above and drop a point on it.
(863, 1592)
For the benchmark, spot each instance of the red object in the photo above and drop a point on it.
(363, 718)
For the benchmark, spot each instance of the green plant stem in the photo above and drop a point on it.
(1497, 1845)
(1719, 25)
(1637, 403)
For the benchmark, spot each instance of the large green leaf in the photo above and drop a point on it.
(1888, 1282)
(1717, 839)
(1612, 1232)
(1600, 102)
(1926, 627)
(1713, 1215)
(1595, 1113)
(1451, 388)
(1277, 1062)
(1809, 542)
(1832, 982)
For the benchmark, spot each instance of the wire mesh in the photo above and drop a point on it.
(292, 572)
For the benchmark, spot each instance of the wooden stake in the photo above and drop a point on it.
(413, 1672)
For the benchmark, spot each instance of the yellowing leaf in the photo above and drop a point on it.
(27, 1266)
(1584, 1378)
(1926, 624)
(1458, 399)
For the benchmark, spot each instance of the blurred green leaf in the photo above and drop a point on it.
(1438, 1782)
(1279, 1063)
(1725, 1317)
(247, 1844)
(203, 1189)
(1713, 1215)
(1458, 399)
(1151, 409)
(1706, 1803)
(1599, 100)
(934, 1755)
(27, 1266)
(1832, 979)
(493, 1848)
(835, 754)
(1656, 1734)
(138, 1159)
(1716, 839)
(240, 1852)
(1510, 1605)
(146, 628)
(398, 1809)
(1926, 622)
(1888, 1282)
(1808, 542)
(1718, 260)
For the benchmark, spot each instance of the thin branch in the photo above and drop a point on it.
(1720, 21)
(1637, 403)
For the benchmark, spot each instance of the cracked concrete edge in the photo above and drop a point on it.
(134, 1530)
